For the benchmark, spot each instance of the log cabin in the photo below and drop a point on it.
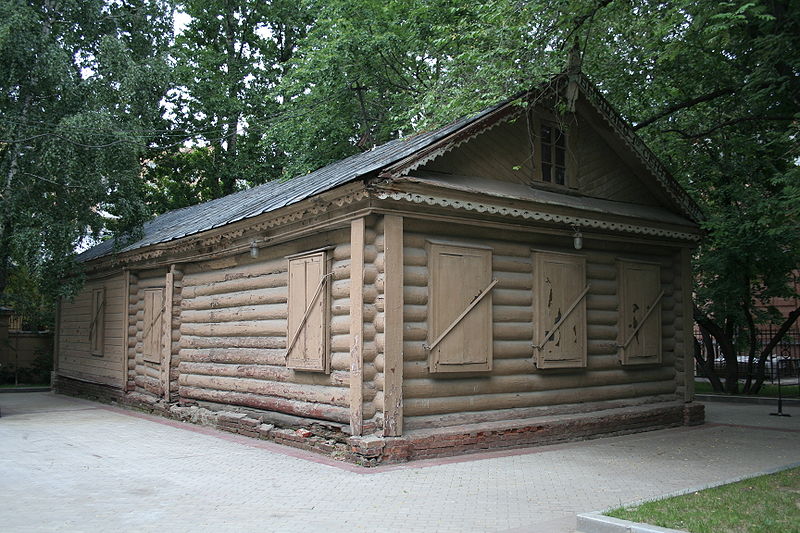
(519, 276)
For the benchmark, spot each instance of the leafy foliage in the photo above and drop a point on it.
(78, 102)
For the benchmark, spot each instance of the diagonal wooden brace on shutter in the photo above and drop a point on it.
(96, 316)
(641, 323)
(155, 319)
(460, 317)
(558, 324)
(310, 307)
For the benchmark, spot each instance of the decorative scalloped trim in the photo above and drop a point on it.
(448, 147)
(482, 207)
(194, 242)
(638, 147)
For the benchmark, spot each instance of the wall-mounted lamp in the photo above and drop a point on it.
(254, 249)
(577, 238)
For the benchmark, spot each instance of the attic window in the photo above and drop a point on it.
(554, 143)
(553, 147)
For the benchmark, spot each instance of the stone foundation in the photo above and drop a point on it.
(373, 450)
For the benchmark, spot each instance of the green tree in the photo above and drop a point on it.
(80, 86)
(713, 87)
(228, 61)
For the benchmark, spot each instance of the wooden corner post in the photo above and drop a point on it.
(393, 326)
(688, 324)
(357, 229)
(166, 332)
(126, 298)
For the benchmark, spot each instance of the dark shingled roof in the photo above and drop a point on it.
(274, 195)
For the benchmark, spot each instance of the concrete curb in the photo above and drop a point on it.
(597, 522)
(793, 402)
(26, 389)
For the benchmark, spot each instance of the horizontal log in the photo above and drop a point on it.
(415, 295)
(237, 299)
(340, 270)
(266, 372)
(230, 314)
(500, 367)
(340, 343)
(242, 356)
(604, 302)
(415, 313)
(340, 288)
(414, 351)
(513, 280)
(602, 317)
(605, 287)
(512, 331)
(414, 257)
(281, 405)
(250, 328)
(456, 404)
(340, 306)
(522, 383)
(341, 251)
(415, 276)
(512, 313)
(514, 297)
(233, 272)
(597, 271)
(600, 332)
(306, 393)
(370, 273)
(192, 341)
(266, 281)
(508, 263)
(340, 361)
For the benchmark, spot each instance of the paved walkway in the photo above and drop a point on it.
(73, 465)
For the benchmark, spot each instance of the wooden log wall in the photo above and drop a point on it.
(146, 375)
(74, 352)
(232, 334)
(373, 317)
(175, 333)
(515, 387)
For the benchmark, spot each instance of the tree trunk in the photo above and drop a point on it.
(726, 347)
(793, 316)
(751, 355)
(708, 368)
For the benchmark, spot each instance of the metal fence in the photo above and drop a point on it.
(784, 359)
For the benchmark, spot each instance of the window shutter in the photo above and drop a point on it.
(153, 303)
(639, 312)
(307, 342)
(459, 275)
(97, 327)
(560, 303)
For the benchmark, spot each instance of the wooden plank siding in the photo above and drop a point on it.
(145, 372)
(515, 388)
(233, 333)
(75, 358)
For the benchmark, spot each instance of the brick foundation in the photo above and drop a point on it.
(372, 450)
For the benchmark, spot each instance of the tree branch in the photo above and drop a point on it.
(725, 124)
(683, 105)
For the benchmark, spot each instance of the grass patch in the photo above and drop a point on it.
(764, 504)
(767, 390)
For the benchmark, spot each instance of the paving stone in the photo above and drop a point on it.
(72, 465)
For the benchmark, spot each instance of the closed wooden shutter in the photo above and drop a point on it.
(307, 342)
(560, 310)
(97, 326)
(153, 307)
(459, 275)
(639, 312)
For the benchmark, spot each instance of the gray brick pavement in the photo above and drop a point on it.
(72, 465)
